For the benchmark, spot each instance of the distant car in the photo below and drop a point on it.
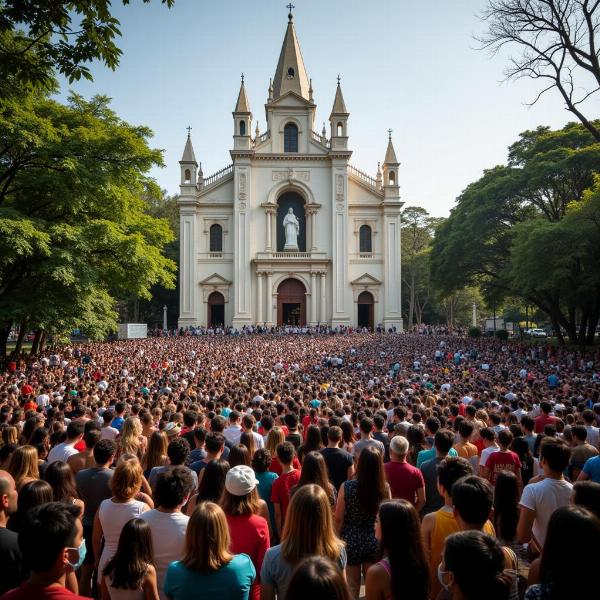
(538, 333)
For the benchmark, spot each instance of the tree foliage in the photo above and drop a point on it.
(520, 230)
(75, 229)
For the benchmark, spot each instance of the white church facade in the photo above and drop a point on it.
(290, 232)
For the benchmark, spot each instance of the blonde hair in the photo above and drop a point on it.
(23, 465)
(308, 528)
(10, 435)
(126, 480)
(157, 450)
(275, 437)
(248, 504)
(129, 440)
(207, 539)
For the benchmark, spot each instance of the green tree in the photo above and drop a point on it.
(547, 171)
(41, 37)
(74, 226)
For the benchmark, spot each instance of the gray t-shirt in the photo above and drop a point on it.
(93, 486)
(362, 444)
(276, 571)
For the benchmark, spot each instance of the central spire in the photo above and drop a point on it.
(290, 75)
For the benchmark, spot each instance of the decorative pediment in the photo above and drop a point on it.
(215, 279)
(366, 279)
(290, 99)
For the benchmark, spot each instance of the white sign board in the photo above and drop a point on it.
(133, 331)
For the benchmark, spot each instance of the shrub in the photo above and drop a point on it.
(474, 332)
(502, 334)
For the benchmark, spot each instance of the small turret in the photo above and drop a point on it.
(188, 164)
(338, 120)
(390, 171)
(242, 119)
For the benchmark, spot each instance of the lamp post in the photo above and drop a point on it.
(474, 315)
(165, 317)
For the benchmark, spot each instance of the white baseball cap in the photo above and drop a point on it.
(240, 480)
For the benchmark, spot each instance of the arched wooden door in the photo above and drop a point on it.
(291, 303)
(366, 306)
(216, 310)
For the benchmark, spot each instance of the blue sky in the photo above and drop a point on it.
(412, 65)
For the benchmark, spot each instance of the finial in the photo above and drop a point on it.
(390, 134)
(189, 129)
(339, 79)
(242, 78)
(378, 167)
(290, 15)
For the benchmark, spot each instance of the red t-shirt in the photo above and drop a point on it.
(280, 491)
(502, 461)
(250, 535)
(28, 591)
(404, 480)
(276, 465)
(542, 421)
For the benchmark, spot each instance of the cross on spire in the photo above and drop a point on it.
(289, 7)
(242, 78)
(339, 79)
(189, 129)
(390, 133)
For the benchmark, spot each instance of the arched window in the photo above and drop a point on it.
(216, 238)
(187, 176)
(290, 138)
(242, 128)
(340, 129)
(364, 235)
(392, 178)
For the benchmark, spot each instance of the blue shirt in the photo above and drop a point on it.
(117, 423)
(426, 455)
(265, 482)
(592, 468)
(231, 582)
(553, 380)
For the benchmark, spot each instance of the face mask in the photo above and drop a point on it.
(440, 574)
(81, 553)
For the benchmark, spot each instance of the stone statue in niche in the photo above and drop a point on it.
(291, 226)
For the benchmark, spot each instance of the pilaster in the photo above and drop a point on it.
(392, 306)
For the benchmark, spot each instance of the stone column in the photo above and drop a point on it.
(323, 318)
(269, 240)
(269, 317)
(259, 303)
(313, 231)
(313, 298)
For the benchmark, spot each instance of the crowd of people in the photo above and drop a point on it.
(259, 466)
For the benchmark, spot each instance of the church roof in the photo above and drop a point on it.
(188, 151)
(242, 105)
(290, 75)
(390, 154)
(339, 106)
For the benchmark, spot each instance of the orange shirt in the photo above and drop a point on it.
(466, 449)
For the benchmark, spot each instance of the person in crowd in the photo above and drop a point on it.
(416, 440)
(156, 455)
(260, 464)
(355, 514)
(24, 465)
(93, 487)
(545, 418)
(178, 452)
(239, 454)
(32, 494)
(405, 481)
(52, 546)
(234, 431)
(442, 443)
(282, 486)
(504, 459)
(312, 442)
(432, 426)
(130, 573)
(438, 525)
(62, 451)
(587, 495)
(552, 576)
(214, 446)
(61, 480)
(293, 435)
(366, 439)
(591, 470)
(167, 522)
(274, 439)
(581, 451)
(529, 465)
(539, 500)
(85, 458)
(402, 570)
(314, 470)
(247, 517)
(207, 562)
(506, 512)
(317, 578)
(340, 464)
(308, 532)
(12, 569)
(114, 512)
(473, 567)
(212, 484)
(464, 447)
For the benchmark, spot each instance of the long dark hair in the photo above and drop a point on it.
(312, 442)
(477, 562)
(317, 578)
(506, 506)
(370, 477)
(402, 543)
(239, 455)
(134, 553)
(566, 524)
(32, 494)
(212, 485)
(60, 477)
(314, 470)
